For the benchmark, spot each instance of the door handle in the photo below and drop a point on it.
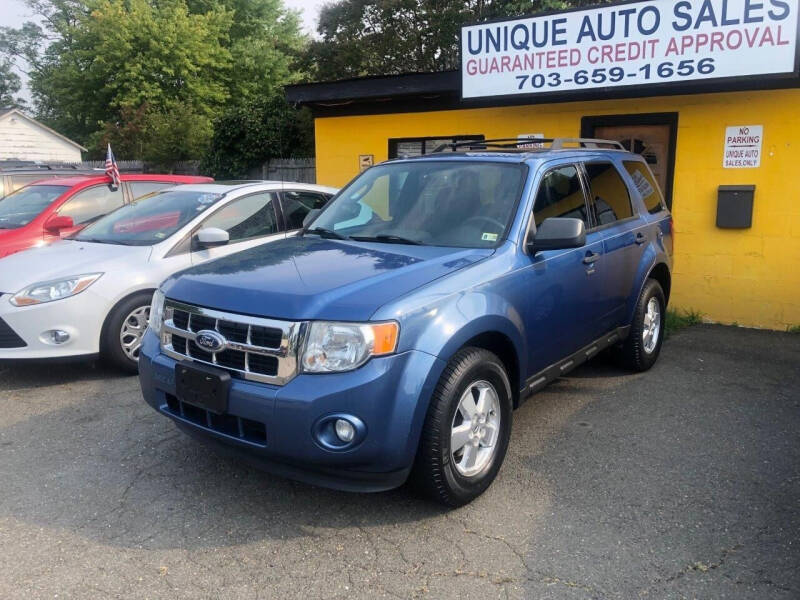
(640, 238)
(590, 258)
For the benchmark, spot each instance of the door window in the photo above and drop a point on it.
(296, 205)
(560, 195)
(92, 203)
(246, 218)
(140, 189)
(610, 200)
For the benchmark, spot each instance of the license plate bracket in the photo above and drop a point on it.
(202, 386)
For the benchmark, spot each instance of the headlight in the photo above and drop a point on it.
(48, 291)
(332, 347)
(157, 312)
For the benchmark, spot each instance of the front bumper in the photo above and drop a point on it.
(389, 394)
(81, 316)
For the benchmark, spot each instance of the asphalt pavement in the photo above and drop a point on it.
(683, 482)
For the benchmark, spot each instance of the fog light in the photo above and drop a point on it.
(56, 336)
(345, 430)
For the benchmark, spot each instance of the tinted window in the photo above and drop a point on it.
(23, 206)
(560, 195)
(646, 185)
(91, 204)
(149, 220)
(438, 203)
(610, 199)
(246, 218)
(140, 189)
(296, 206)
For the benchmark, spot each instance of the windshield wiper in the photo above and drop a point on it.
(326, 233)
(386, 238)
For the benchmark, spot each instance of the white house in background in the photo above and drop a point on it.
(24, 138)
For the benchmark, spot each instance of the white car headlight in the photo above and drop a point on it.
(331, 347)
(49, 291)
(157, 312)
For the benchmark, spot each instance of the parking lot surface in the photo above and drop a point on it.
(683, 482)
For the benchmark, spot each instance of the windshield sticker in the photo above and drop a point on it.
(160, 235)
(644, 187)
(207, 198)
(489, 237)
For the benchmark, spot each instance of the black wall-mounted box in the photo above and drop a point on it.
(735, 206)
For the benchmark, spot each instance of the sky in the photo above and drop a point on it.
(14, 13)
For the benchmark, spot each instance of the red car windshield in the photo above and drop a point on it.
(23, 206)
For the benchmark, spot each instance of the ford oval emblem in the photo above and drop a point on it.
(210, 340)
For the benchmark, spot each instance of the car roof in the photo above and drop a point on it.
(265, 186)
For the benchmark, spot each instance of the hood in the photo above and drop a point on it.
(64, 258)
(303, 278)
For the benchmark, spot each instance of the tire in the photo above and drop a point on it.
(132, 310)
(640, 350)
(454, 477)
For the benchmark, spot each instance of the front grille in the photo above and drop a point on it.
(231, 425)
(255, 349)
(9, 337)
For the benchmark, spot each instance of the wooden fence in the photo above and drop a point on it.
(278, 169)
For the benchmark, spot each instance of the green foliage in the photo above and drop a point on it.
(384, 37)
(248, 135)
(793, 329)
(152, 76)
(681, 319)
(10, 85)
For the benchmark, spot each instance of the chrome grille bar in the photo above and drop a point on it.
(285, 352)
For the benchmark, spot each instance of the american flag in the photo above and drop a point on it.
(111, 167)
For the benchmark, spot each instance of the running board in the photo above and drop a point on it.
(564, 366)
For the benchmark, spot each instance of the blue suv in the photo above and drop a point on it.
(395, 334)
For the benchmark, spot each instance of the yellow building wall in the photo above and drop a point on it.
(750, 276)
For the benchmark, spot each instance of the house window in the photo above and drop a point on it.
(409, 147)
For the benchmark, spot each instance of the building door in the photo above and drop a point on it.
(651, 135)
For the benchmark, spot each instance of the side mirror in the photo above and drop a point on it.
(558, 234)
(312, 214)
(211, 237)
(57, 223)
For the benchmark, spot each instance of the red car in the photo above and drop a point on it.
(54, 208)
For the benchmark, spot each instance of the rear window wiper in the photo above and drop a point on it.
(326, 233)
(386, 238)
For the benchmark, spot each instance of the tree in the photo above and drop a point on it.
(248, 135)
(152, 75)
(386, 37)
(10, 85)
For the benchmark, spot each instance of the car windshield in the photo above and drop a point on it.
(436, 203)
(23, 206)
(149, 220)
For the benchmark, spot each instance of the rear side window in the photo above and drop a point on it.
(91, 204)
(611, 201)
(646, 185)
(296, 205)
(560, 195)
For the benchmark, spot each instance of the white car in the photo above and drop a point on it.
(91, 294)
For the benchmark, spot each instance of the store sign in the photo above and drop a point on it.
(743, 147)
(640, 43)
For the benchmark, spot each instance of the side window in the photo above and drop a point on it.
(246, 218)
(610, 198)
(140, 189)
(20, 181)
(646, 185)
(560, 195)
(91, 204)
(296, 205)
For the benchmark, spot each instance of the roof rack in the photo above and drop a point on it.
(522, 144)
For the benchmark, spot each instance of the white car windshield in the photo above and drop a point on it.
(23, 206)
(466, 204)
(149, 220)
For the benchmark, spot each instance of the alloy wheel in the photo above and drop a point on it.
(475, 428)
